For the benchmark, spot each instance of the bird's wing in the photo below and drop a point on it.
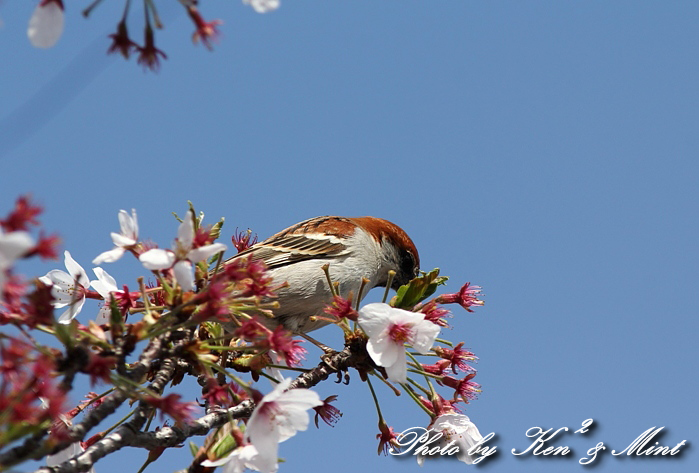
(284, 249)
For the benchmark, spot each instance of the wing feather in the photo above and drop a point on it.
(277, 252)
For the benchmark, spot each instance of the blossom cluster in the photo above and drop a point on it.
(47, 23)
(214, 322)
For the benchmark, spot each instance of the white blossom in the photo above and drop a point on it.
(183, 254)
(127, 237)
(389, 329)
(278, 416)
(68, 289)
(458, 428)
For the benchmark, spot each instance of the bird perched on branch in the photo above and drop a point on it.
(354, 248)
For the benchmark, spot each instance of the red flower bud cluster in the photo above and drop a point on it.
(29, 394)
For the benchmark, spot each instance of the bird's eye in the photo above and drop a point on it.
(407, 264)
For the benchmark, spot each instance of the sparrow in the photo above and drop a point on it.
(353, 247)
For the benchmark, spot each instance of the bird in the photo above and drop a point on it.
(353, 247)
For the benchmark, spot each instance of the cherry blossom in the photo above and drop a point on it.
(278, 416)
(125, 239)
(262, 6)
(183, 254)
(459, 429)
(389, 329)
(46, 24)
(67, 289)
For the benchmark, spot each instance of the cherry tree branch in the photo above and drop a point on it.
(122, 435)
(129, 434)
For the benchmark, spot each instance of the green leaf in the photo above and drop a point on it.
(66, 333)
(115, 318)
(417, 290)
(224, 446)
(215, 329)
(193, 448)
(216, 229)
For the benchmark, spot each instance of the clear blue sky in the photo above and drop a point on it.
(545, 150)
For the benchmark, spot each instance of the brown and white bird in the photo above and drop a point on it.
(354, 248)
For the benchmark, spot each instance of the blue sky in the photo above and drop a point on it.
(545, 150)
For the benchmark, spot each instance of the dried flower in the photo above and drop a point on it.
(466, 297)
(329, 413)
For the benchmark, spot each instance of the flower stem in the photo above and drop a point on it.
(432, 393)
(391, 275)
(412, 394)
(376, 401)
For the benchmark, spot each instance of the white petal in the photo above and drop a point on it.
(184, 276)
(253, 460)
(239, 459)
(104, 283)
(59, 278)
(45, 25)
(374, 318)
(400, 316)
(300, 399)
(277, 391)
(266, 441)
(104, 314)
(12, 246)
(109, 256)
(459, 426)
(384, 351)
(73, 310)
(219, 462)
(61, 298)
(75, 270)
(292, 422)
(129, 224)
(157, 258)
(185, 232)
(274, 372)
(425, 334)
(398, 371)
(204, 252)
(120, 240)
(261, 430)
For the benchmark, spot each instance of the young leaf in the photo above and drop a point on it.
(417, 290)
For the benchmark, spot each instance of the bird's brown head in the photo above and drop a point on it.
(405, 260)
